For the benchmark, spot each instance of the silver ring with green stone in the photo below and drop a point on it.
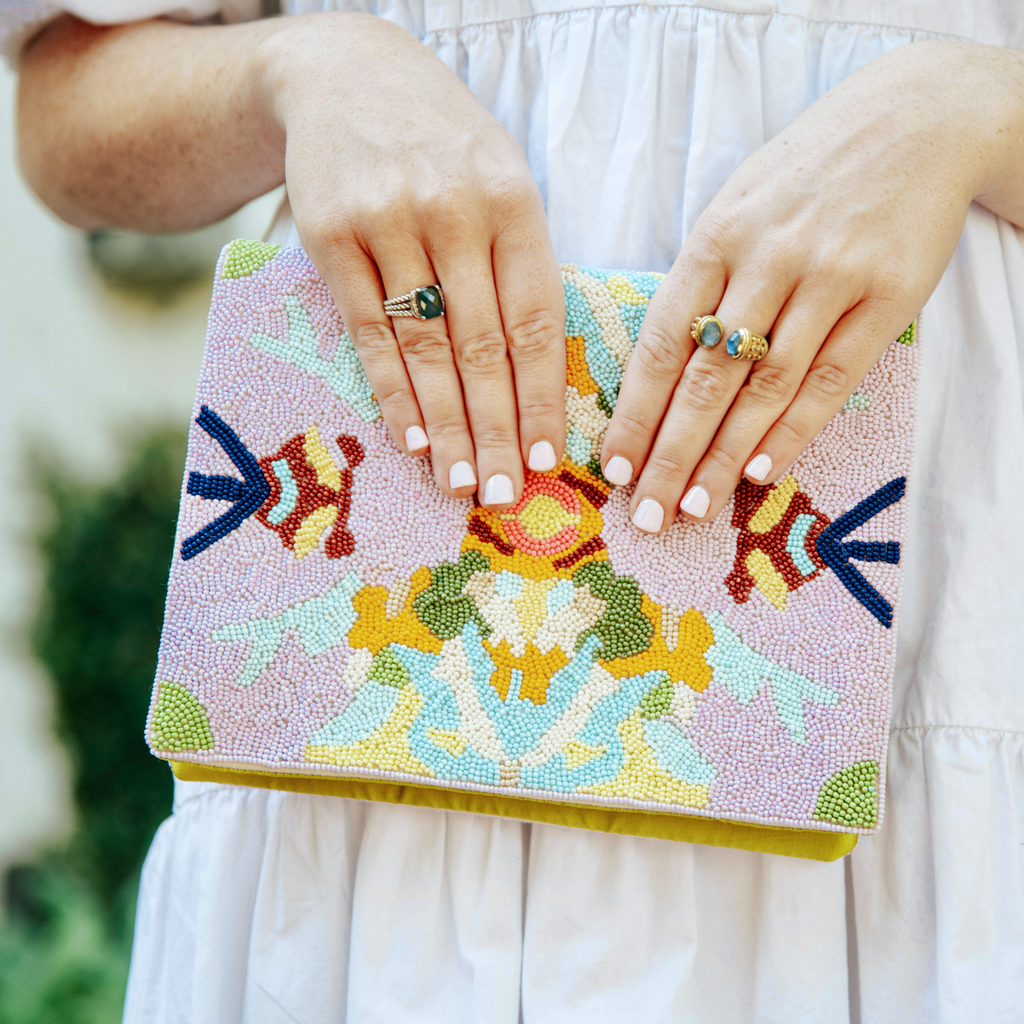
(707, 331)
(422, 303)
(744, 344)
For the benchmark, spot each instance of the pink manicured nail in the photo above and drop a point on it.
(619, 471)
(461, 475)
(649, 516)
(696, 502)
(542, 457)
(416, 440)
(759, 467)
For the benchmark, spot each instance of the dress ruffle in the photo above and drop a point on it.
(938, 894)
(259, 906)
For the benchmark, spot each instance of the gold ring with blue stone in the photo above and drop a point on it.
(744, 344)
(707, 331)
(422, 303)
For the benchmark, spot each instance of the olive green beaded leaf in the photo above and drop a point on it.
(179, 721)
(623, 630)
(245, 257)
(388, 670)
(909, 336)
(604, 405)
(443, 608)
(850, 797)
(658, 701)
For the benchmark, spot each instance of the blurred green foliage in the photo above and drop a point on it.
(62, 961)
(105, 549)
(106, 553)
(157, 268)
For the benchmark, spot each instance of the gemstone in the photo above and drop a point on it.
(429, 302)
(710, 333)
(734, 343)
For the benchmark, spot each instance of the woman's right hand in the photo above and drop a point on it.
(399, 178)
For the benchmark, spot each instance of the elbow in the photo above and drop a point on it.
(52, 128)
(41, 169)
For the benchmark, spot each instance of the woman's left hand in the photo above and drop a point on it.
(829, 239)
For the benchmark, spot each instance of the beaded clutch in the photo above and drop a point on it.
(337, 625)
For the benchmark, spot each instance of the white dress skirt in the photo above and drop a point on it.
(260, 907)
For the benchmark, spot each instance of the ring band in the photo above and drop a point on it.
(423, 303)
(743, 344)
(707, 331)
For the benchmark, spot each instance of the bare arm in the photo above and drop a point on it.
(829, 240)
(154, 126)
(161, 127)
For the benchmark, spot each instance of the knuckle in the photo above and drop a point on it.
(377, 215)
(446, 430)
(542, 407)
(888, 283)
(372, 340)
(664, 466)
(771, 385)
(534, 335)
(392, 395)
(627, 423)
(832, 261)
(328, 232)
(722, 459)
(424, 344)
(494, 437)
(451, 219)
(658, 352)
(443, 197)
(706, 386)
(714, 236)
(482, 352)
(828, 381)
(510, 195)
(790, 435)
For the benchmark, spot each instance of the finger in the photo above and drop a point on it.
(807, 318)
(692, 288)
(352, 278)
(706, 390)
(427, 354)
(854, 346)
(481, 355)
(532, 302)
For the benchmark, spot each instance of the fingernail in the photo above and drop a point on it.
(499, 491)
(649, 515)
(759, 467)
(542, 457)
(619, 471)
(696, 501)
(416, 439)
(461, 475)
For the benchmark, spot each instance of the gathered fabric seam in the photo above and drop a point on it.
(211, 789)
(910, 29)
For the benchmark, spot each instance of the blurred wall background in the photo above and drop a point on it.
(100, 343)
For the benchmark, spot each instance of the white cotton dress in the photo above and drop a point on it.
(261, 907)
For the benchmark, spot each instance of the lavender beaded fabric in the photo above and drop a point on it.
(332, 615)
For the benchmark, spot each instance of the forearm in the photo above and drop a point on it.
(1000, 78)
(154, 126)
(981, 90)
